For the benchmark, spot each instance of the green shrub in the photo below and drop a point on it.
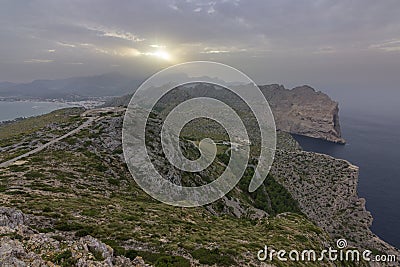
(113, 181)
(96, 254)
(84, 232)
(211, 257)
(68, 226)
(91, 212)
(47, 209)
(3, 188)
(65, 259)
(34, 174)
(172, 261)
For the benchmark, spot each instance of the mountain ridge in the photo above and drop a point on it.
(74, 88)
(301, 110)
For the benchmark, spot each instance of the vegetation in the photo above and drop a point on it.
(24, 135)
(33, 124)
(65, 259)
(87, 190)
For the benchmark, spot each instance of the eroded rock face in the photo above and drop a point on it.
(22, 246)
(304, 111)
(326, 190)
(11, 218)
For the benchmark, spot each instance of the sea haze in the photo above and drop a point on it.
(17, 109)
(373, 144)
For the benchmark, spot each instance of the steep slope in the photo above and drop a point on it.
(304, 111)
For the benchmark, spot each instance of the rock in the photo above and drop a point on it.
(138, 261)
(21, 246)
(94, 246)
(11, 218)
(10, 252)
(326, 190)
(304, 111)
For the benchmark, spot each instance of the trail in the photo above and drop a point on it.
(55, 140)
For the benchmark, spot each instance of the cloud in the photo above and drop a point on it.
(222, 50)
(35, 60)
(157, 46)
(120, 34)
(257, 35)
(211, 10)
(174, 7)
(74, 63)
(114, 51)
(387, 46)
(325, 50)
(215, 52)
(66, 44)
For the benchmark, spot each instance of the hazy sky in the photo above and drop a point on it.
(327, 44)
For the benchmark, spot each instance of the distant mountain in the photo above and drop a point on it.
(76, 88)
(6, 84)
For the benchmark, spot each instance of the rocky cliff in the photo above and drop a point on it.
(304, 111)
(301, 110)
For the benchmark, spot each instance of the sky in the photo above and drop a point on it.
(335, 46)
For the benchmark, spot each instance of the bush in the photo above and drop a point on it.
(65, 259)
(34, 174)
(67, 226)
(47, 209)
(211, 257)
(84, 232)
(171, 261)
(113, 181)
(96, 254)
(3, 188)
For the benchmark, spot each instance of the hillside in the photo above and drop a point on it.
(75, 203)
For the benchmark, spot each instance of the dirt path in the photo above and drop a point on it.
(40, 148)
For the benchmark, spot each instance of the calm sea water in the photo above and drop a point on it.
(13, 110)
(373, 144)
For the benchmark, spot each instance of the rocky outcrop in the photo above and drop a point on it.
(22, 246)
(11, 218)
(326, 190)
(301, 110)
(304, 111)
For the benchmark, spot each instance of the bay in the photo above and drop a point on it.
(17, 109)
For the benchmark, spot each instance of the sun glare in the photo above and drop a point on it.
(162, 54)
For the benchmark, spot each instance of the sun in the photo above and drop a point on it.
(160, 53)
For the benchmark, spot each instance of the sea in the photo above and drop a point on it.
(19, 109)
(373, 144)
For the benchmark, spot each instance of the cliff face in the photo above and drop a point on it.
(304, 111)
(326, 190)
(301, 110)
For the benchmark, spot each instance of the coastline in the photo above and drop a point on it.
(330, 200)
(40, 107)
